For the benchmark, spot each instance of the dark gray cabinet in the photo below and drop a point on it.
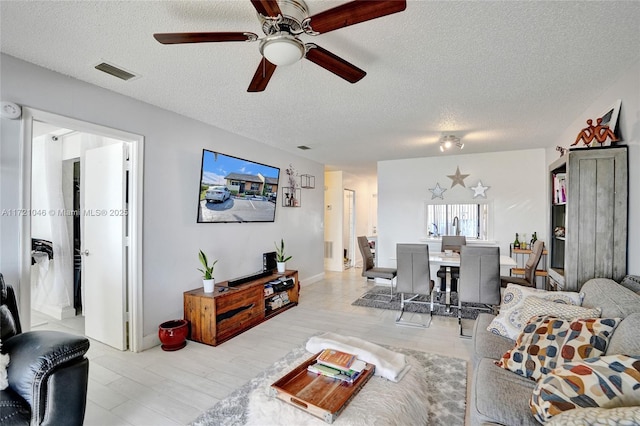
(589, 222)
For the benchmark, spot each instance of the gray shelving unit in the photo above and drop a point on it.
(593, 216)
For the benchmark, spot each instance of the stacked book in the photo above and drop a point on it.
(337, 365)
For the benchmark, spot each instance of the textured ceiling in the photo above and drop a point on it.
(502, 75)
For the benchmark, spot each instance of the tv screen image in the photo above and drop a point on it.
(233, 189)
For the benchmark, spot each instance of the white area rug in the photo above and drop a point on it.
(432, 393)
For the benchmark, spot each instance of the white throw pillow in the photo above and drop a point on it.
(536, 306)
(4, 362)
(509, 322)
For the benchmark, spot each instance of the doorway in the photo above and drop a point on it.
(349, 228)
(82, 274)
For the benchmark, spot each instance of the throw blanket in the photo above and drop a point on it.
(390, 365)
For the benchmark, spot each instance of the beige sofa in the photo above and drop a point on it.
(499, 396)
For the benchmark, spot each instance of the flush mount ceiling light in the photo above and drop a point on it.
(449, 141)
(282, 49)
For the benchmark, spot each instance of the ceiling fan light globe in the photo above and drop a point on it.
(282, 50)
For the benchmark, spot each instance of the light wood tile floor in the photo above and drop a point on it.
(172, 388)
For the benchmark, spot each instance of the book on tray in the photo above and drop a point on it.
(337, 365)
(336, 359)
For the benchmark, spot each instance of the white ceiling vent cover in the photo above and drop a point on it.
(116, 71)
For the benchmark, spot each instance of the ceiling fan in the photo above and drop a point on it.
(282, 23)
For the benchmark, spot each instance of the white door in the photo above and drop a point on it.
(103, 245)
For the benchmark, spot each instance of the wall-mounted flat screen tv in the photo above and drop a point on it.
(236, 190)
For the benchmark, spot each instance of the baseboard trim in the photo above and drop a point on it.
(150, 341)
(312, 279)
(56, 312)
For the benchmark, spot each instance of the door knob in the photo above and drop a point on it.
(85, 253)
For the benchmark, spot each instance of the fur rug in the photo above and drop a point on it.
(432, 392)
(378, 297)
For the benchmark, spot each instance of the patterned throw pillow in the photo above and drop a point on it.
(535, 306)
(509, 323)
(597, 417)
(548, 342)
(608, 382)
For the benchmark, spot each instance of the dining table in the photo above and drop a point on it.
(449, 260)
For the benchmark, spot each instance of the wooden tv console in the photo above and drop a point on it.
(217, 317)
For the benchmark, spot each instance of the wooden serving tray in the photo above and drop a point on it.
(318, 395)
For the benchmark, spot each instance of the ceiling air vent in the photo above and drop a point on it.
(115, 71)
(303, 147)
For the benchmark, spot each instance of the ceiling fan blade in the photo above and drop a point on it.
(354, 12)
(178, 38)
(333, 63)
(262, 76)
(267, 7)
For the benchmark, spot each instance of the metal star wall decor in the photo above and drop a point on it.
(458, 178)
(437, 192)
(479, 190)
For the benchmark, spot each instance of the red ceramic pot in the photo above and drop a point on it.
(173, 334)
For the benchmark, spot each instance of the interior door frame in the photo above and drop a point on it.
(351, 225)
(134, 218)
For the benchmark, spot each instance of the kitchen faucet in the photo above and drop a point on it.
(456, 224)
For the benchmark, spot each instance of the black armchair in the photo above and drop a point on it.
(47, 373)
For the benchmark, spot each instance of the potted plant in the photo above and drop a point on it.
(208, 281)
(173, 334)
(281, 257)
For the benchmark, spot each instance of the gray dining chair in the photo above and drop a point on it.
(414, 279)
(479, 279)
(529, 279)
(369, 269)
(451, 242)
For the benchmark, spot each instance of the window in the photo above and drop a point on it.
(470, 220)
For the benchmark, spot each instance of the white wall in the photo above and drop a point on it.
(627, 88)
(10, 158)
(173, 150)
(517, 195)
